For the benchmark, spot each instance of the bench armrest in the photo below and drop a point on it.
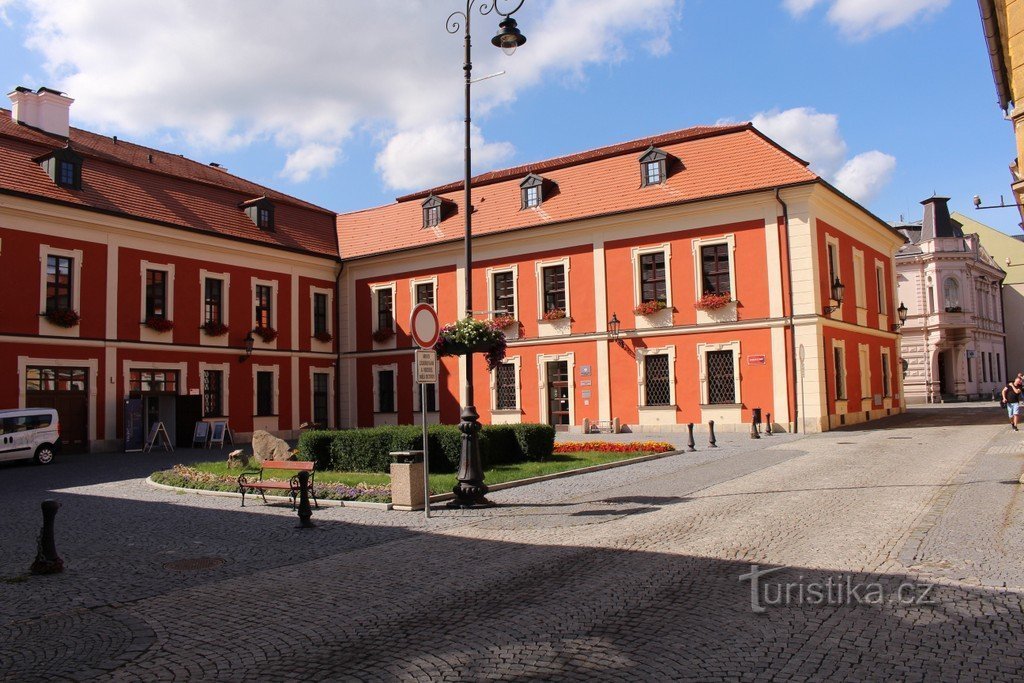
(243, 478)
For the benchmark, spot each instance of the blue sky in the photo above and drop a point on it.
(349, 105)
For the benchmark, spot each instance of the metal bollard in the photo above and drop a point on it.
(689, 441)
(753, 429)
(305, 511)
(768, 428)
(47, 559)
(712, 441)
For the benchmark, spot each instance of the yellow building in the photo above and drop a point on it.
(1003, 22)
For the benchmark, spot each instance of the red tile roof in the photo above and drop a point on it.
(127, 179)
(715, 161)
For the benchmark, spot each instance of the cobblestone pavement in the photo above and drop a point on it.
(625, 574)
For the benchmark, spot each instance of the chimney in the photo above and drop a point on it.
(47, 109)
(937, 222)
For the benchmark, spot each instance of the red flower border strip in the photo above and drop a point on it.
(614, 447)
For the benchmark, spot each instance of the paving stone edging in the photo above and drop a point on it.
(324, 502)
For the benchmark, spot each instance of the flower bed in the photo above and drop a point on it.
(649, 308)
(472, 336)
(711, 302)
(613, 447)
(190, 478)
(159, 324)
(63, 318)
(212, 328)
(267, 334)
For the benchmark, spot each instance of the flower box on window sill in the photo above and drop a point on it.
(324, 337)
(159, 324)
(713, 302)
(649, 308)
(63, 318)
(553, 315)
(954, 309)
(213, 328)
(267, 334)
(383, 334)
(503, 322)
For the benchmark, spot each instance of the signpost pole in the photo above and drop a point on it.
(424, 330)
(426, 454)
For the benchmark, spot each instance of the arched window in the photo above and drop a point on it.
(951, 293)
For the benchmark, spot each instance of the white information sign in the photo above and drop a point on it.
(426, 366)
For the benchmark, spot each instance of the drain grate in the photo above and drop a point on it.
(194, 564)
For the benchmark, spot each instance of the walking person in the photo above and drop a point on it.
(1011, 399)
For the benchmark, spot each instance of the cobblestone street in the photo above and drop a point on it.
(626, 574)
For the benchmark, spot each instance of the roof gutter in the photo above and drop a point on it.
(990, 22)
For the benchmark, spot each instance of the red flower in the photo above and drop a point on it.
(649, 307)
(711, 302)
(614, 447)
(267, 334)
(502, 322)
(554, 314)
(214, 329)
(63, 318)
(159, 324)
(383, 334)
(323, 336)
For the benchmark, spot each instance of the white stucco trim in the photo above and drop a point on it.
(146, 334)
(702, 360)
(542, 384)
(416, 281)
(636, 253)
(225, 289)
(859, 294)
(275, 311)
(375, 290)
(225, 397)
(507, 415)
(641, 366)
(314, 370)
(840, 344)
(698, 263)
(92, 388)
(314, 344)
(380, 418)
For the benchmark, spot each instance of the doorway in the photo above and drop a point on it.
(67, 391)
(558, 394)
(944, 373)
(158, 390)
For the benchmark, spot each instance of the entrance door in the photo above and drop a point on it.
(67, 391)
(943, 379)
(158, 390)
(558, 394)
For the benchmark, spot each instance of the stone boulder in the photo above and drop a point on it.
(266, 446)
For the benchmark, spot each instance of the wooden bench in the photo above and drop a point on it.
(246, 483)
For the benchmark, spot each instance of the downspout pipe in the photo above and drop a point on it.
(995, 52)
(792, 324)
(337, 346)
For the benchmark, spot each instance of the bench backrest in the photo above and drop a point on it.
(292, 465)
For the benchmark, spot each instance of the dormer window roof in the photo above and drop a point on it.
(64, 167)
(532, 189)
(261, 212)
(654, 166)
(434, 211)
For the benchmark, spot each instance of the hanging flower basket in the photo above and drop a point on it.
(63, 318)
(267, 334)
(554, 314)
(324, 337)
(212, 328)
(503, 322)
(649, 308)
(472, 336)
(711, 302)
(383, 334)
(158, 324)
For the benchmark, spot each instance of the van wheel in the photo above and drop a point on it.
(44, 454)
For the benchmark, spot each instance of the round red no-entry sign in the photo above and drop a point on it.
(423, 326)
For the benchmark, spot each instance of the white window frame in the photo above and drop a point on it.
(275, 397)
(840, 344)
(641, 376)
(146, 334)
(225, 288)
(702, 360)
(860, 300)
(830, 243)
(491, 272)
(315, 370)
(864, 357)
(225, 398)
(313, 291)
(375, 290)
(275, 310)
(516, 362)
(636, 253)
(415, 282)
(881, 282)
(377, 369)
(45, 326)
(945, 294)
(538, 270)
(542, 384)
(698, 262)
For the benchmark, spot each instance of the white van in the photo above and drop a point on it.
(29, 433)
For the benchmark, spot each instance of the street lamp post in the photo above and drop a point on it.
(471, 491)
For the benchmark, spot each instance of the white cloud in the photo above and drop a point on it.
(433, 155)
(221, 74)
(863, 176)
(815, 137)
(860, 19)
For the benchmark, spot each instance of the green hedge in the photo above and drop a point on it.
(369, 450)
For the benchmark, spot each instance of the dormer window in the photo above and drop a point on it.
(64, 168)
(433, 211)
(532, 189)
(261, 212)
(653, 167)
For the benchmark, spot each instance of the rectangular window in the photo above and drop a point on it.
(213, 307)
(931, 299)
(156, 293)
(657, 380)
(990, 372)
(653, 172)
(153, 381)
(56, 379)
(264, 393)
(321, 388)
(319, 313)
(999, 366)
(66, 177)
(504, 292)
(433, 216)
(721, 377)
(213, 393)
(970, 362)
(425, 293)
(652, 277)
(839, 360)
(833, 263)
(886, 375)
(532, 196)
(505, 386)
(386, 391)
(715, 267)
(58, 283)
(554, 288)
(264, 299)
(880, 283)
(385, 303)
(984, 374)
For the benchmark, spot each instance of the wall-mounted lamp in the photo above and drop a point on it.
(901, 313)
(613, 330)
(1001, 205)
(249, 342)
(837, 295)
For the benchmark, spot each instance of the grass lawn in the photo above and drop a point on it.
(443, 483)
